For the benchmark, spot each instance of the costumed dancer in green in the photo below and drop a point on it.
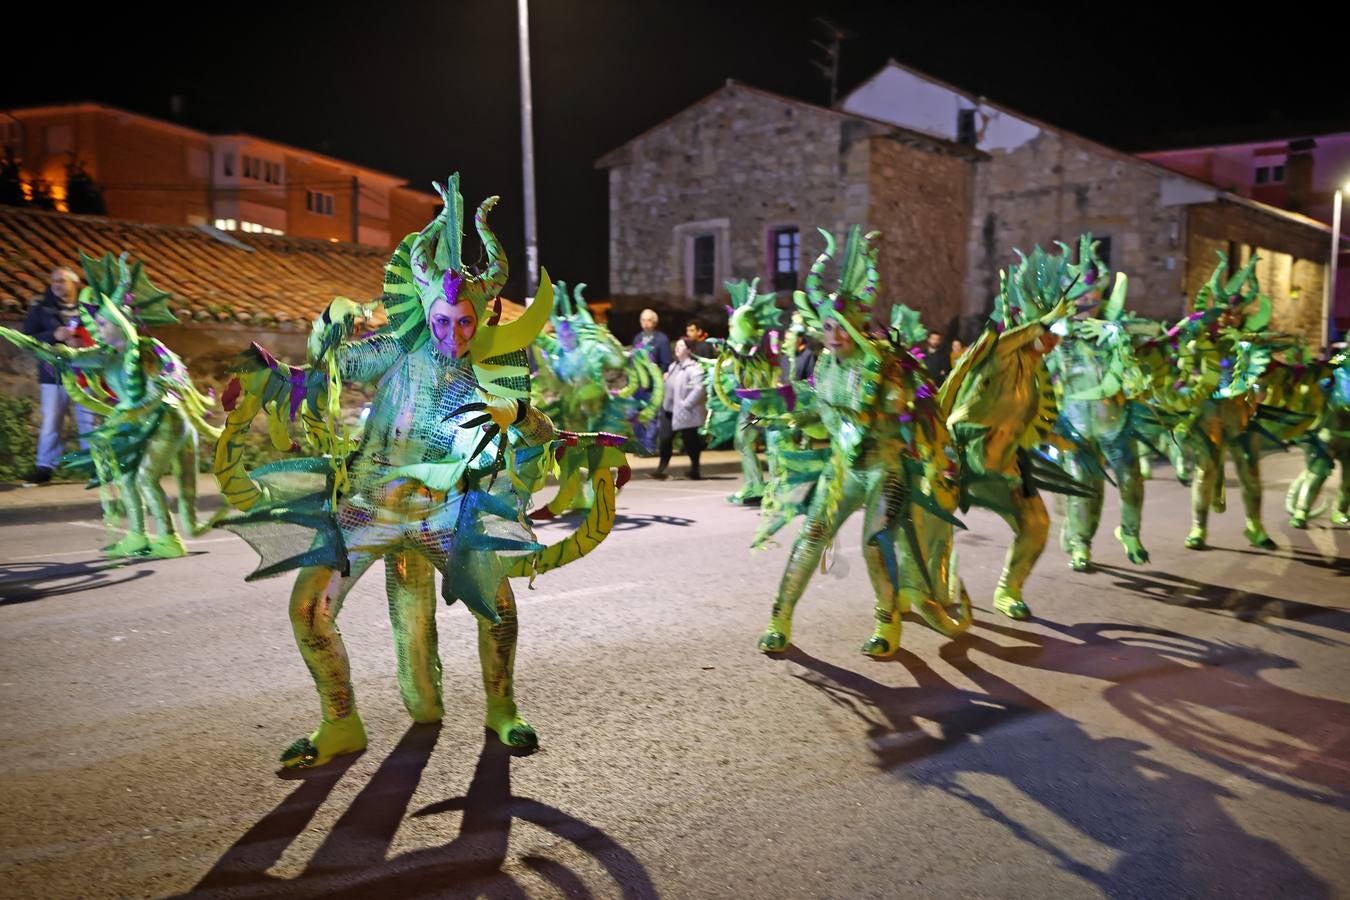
(153, 415)
(887, 457)
(438, 483)
(576, 364)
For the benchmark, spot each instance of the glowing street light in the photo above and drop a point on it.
(1329, 295)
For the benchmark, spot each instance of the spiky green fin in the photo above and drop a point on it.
(908, 325)
(129, 287)
(450, 241)
(402, 303)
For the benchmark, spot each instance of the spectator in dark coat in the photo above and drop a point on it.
(653, 342)
(54, 319)
(697, 337)
(935, 361)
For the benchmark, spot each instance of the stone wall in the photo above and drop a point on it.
(1056, 187)
(921, 203)
(736, 165)
(207, 351)
(1291, 266)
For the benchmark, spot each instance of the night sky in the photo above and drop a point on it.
(431, 87)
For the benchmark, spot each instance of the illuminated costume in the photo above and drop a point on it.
(1326, 444)
(153, 415)
(440, 480)
(1206, 376)
(747, 361)
(575, 366)
(1103, 399)
(887, 456)
(1004, 412)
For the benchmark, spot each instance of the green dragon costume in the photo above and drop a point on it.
(1103, 401)
(439, 482)
(1206, 376)
(887, 456)
(575, 365)
(747, 361)
(1326, 444)
(1003, 412)
(153, 415)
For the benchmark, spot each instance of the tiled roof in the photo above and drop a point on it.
(280, 282)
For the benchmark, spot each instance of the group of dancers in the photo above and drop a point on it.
(1064, 391)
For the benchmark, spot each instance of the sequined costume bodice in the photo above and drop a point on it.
(1083, 368)
(409, 418)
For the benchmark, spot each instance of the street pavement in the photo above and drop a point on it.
(1180, 729)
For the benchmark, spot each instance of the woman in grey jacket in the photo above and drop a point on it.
(683, 409)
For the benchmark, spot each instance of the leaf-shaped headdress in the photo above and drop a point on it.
(429, 265)
(852, 303)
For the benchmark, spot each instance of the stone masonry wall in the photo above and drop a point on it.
(1057, 186)
(921, 202)
(741, 161)
(1291, 265)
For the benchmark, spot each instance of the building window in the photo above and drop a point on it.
(319, 203)
(1262, 174)
(1277, 174)
(786, 248)
(705, 264)
(227, 224)
(227, 164)
(262, 170)
(965, 127)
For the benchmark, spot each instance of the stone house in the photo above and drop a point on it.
(733, 187)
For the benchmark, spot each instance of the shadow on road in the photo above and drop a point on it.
(1168, 831)
(627, 522)
(27, 581)
(1246, 606)
(353, 859)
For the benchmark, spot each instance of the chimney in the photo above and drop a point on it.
(1298, 176)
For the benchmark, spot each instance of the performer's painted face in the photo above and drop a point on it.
(453, 326)
(837, 338)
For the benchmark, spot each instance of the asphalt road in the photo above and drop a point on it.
(1179, 729)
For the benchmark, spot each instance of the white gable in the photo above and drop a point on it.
(907, 99)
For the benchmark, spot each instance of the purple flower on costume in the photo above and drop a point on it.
(924, 392)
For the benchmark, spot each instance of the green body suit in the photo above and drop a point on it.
(575, 367)
(1326, 445)
(439, 483)
(887, 457)
(153, 415)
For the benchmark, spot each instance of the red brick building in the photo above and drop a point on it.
(162, 173)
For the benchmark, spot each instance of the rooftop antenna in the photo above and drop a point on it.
(829, 66)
